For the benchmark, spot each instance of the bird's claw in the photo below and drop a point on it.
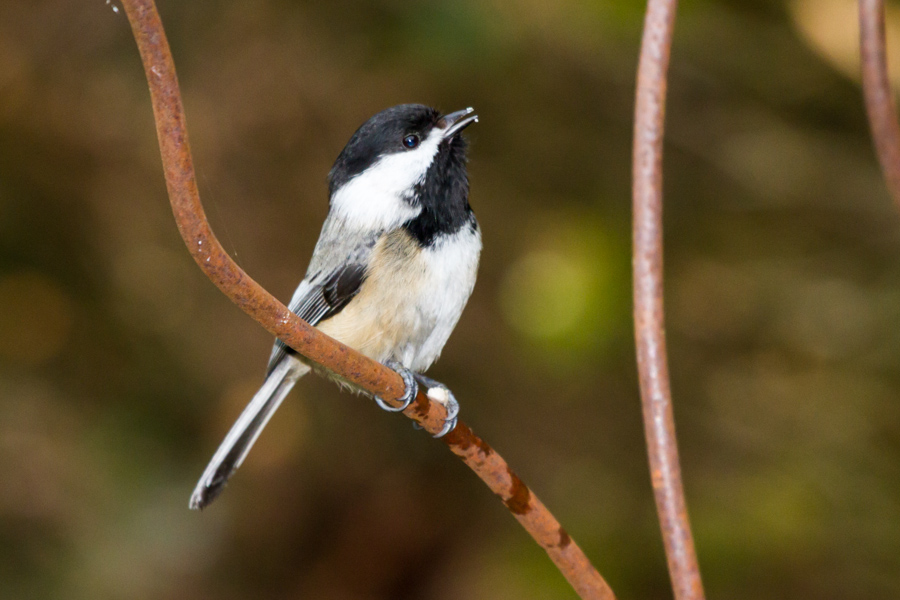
(437, 392)
(409, 381)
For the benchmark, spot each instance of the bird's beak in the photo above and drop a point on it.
(459, 120)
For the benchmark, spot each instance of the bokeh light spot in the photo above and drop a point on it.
(561, 291)
(545, 294)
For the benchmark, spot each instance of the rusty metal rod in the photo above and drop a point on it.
(877, 93)
(656, 397)
(278, 320)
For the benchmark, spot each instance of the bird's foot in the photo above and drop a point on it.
(409, 380)
(440, 393)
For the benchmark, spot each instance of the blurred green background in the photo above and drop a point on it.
(121, 367)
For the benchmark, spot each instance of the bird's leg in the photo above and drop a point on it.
(409, 380)
(441, 394)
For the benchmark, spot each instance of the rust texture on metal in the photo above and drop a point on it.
(530, 512)
(277, 319)
(659, 422)
(877, 92)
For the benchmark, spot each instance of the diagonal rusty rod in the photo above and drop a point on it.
(278, 320)
(877, 93)
(656, 396)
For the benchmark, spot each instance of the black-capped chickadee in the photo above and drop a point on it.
(393, 268)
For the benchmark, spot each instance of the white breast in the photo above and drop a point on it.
(411, 299)
(451, 267)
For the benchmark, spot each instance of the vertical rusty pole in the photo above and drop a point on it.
(877, 92)
(659, 423)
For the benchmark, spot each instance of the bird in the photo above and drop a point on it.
(391, 272)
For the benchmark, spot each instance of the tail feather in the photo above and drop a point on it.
(246, 429)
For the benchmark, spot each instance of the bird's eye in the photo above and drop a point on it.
(411, 141)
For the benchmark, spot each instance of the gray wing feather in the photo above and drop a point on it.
(336, 273)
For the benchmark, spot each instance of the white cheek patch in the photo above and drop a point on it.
(375, 197)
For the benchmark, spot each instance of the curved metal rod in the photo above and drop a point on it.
(877, 93)
(277, 319)
(659, 423)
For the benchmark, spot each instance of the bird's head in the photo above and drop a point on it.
(398, 162)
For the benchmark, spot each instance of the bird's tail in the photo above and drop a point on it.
(246, 429)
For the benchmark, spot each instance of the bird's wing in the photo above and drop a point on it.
(336, 273)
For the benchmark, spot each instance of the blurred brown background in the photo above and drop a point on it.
(121, 367)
